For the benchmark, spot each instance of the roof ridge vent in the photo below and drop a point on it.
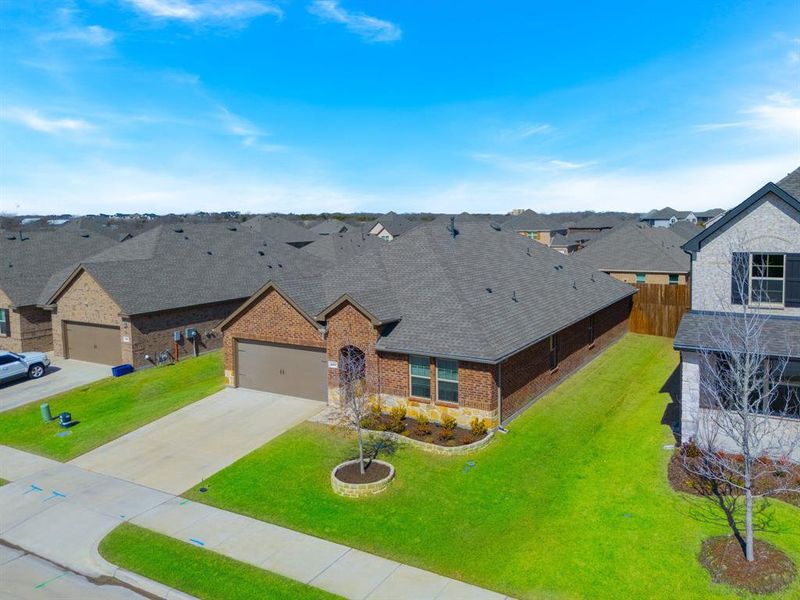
(261, 253)
(574, 284)
(208, 252)
(452, 227)
(495, 225)
(514, 295)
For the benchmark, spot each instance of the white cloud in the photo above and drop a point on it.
(221, 10)
(523, 165)
(780, 113)
(91, 35)
(32, 119)
(250, 135)
(100, 186)
(530, 129)
(370, 28)
(690, 188)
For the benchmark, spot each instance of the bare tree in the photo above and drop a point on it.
(747, 422)
(354, 397)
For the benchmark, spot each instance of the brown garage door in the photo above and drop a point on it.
(93, 343)
(291, 370)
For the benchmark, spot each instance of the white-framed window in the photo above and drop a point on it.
(640, 277)
(674, 279)
(5, 326)
(447, 380)
(767, 278)
(419, 372)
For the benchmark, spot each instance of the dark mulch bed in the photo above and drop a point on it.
(432, 433)
(771, 571)
(352, 473)
(682, 480)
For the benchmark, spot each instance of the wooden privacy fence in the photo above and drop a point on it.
(657, 308)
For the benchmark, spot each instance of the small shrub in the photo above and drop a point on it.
(368, 422)
(423, 425)
(396, 416)
(477, 427)
(467, 438)
(445, 435)
(448, 423)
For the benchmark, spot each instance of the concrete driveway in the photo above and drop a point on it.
(62, 375)
(180, 450)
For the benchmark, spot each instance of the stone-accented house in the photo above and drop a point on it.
(764, 229)
(129, 303)
(636, 253)
(533, 226)
(468, 320)
(279, 229)
(390, 226)
(28, 261)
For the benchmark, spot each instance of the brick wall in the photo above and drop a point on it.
(270, 319)
(153, 333)
(13, 341)
(85, 301)
(527, 374)
(348, 326)
(35, 329)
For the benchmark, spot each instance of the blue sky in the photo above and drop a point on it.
(328, 105)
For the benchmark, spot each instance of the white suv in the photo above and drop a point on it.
(28, 364)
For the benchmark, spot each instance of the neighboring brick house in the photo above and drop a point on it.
(467, 320)
(639, 254)
(762, 230)
(533, 226)
(128, 304)
(28, 261)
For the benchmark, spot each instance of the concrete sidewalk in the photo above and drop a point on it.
(62, 512)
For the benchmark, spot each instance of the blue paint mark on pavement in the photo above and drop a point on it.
(198, 542)
(34, 488)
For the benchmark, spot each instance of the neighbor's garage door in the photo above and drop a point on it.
(93, 343)
(291, 370)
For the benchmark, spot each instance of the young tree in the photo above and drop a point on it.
(747, 423)
(354, 397)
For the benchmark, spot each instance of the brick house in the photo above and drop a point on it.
(164, 291)
(640, 254)
(467, 320)
(390, 226)
(533, 226)
(30, 261)
(762, 230)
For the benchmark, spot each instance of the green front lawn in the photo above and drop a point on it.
(572, 503)
(196, 571)
(111, 407)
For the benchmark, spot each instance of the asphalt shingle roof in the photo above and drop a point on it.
(329, 226)
(28, 261)
(482, 295)
(528, 220)
(791, 183)
(187, 265)
(666, 213)
(394, 224)
(340, 247)
(279, 229)
(637, 248)
(703, 330)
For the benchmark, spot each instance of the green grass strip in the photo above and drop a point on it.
(197, 571)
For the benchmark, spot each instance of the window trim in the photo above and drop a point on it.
(411, 377)
(677, 278)
(750, 278)
(6, 314)
(439, 379)
(643, 277)
(552, 356)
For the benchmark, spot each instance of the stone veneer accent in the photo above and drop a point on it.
(360, 490)
(435, 448)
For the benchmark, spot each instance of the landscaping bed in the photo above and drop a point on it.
(111, 407)
(350, 472)
(446, 433)
(771, 570)
(573, 499)
(687, 482)
(196, 571)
